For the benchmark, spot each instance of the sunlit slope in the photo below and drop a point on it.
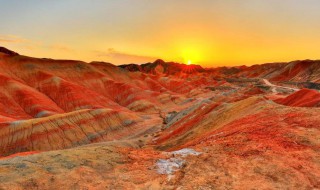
(74, 85)
(95, 125)
(56, 104)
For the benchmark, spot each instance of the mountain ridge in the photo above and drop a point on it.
(7, 51)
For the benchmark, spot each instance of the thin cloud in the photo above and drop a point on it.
(121, 57)
(19, 41)
(60, 47)
(12, 39)
(31, 45)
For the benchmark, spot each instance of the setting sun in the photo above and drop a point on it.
(213, 33)
(189, 62)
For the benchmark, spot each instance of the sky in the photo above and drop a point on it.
(206, 32)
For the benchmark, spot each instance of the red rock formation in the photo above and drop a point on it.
(78, 125)
(302, 98)
(162, 67)
(7, 51)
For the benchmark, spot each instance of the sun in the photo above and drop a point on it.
(189, 62)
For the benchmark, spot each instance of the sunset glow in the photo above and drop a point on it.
(159, 94)
(208, 32)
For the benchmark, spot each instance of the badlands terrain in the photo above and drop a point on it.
(74, 125)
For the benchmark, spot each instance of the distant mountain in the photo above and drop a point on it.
(160, 66)
(295, 71)
(307, 71)
(7, 51)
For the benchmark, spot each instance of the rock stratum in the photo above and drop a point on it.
(73, 125)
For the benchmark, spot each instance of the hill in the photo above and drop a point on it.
(74, 125)
(159, 66)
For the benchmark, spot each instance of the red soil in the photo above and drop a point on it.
(19, 154)
(293, 70)
(302, 98)
(94, 125)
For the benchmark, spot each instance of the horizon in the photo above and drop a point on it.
(206, 33)
(166, 61)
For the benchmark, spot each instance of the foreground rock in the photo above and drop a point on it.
(268, 146)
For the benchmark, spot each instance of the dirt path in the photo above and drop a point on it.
(274, 87)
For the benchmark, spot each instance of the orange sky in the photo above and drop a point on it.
(207, 32)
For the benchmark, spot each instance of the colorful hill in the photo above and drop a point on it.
(302, 98)
(162, 125)
(159, 66)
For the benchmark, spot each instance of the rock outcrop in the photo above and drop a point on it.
(302, 98)
(7, 51)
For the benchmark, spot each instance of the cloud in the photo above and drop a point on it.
(31, 45)
(19, 41)
(12, 39)
(121, 57)
(60, 47)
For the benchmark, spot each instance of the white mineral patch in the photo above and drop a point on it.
(169, 166)
(185, 152)
(42, 114)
